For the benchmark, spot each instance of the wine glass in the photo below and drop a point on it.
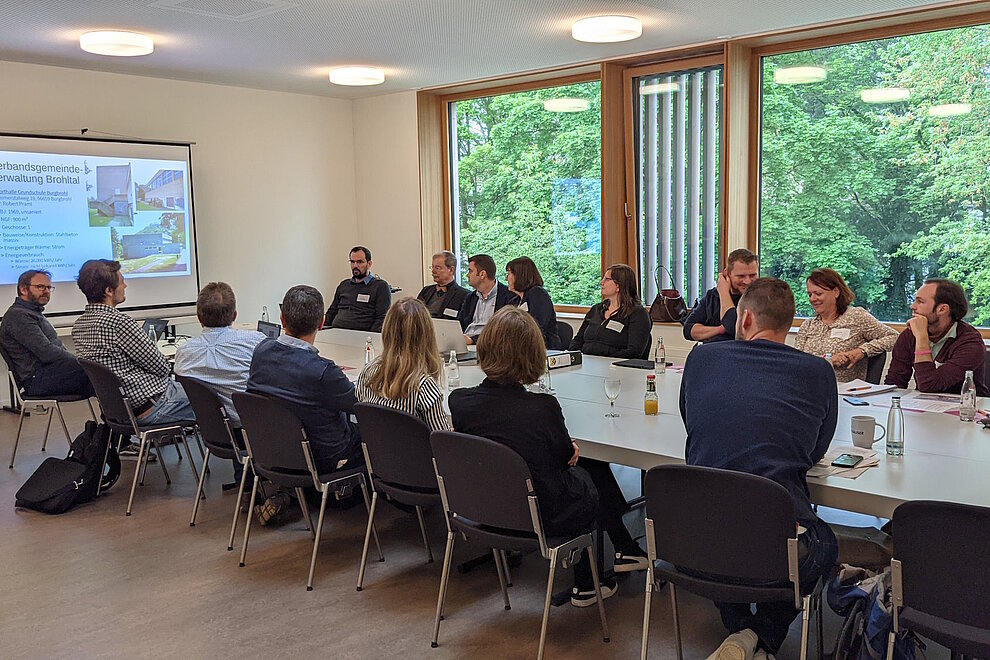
(612, 388)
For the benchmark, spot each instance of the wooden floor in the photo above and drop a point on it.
(93, 583)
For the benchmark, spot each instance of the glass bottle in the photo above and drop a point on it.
(651, 404)
(264, 313)
(895, 428)
(660, 358)
(453, 371)
(152, 335)
(967, 400)
(369, 351)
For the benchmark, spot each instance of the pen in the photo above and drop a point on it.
(858, 389)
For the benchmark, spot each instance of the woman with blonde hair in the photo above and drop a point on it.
(405, 376)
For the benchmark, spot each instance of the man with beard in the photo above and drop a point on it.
(937, 345)
(361, 302)
(714, 317)
(42, 366)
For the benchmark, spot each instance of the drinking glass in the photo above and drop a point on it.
(612, 388)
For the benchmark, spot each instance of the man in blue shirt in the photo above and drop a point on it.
(714, 317)
(779, 424)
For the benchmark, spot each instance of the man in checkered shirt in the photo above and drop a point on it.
(107, 336)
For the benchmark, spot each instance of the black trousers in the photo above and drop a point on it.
(59, 378)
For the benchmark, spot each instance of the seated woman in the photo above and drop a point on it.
(573, 494)
(850, 334)
(405, 376)
(524, 280)
(618, 326)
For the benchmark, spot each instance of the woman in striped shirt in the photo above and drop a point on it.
(405, 376)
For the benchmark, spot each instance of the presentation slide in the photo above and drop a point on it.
(64, 201)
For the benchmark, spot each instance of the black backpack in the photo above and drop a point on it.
(59, 484)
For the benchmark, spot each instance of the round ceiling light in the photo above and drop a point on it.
(357, 75)
(799, 75)
(606, 29)
(660, 88)
(950, 109)
(117, 43)
(566, 105)
(885, 95)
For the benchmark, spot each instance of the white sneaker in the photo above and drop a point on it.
(737, 646)
(762, 655)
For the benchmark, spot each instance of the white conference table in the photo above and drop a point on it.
(945, 459)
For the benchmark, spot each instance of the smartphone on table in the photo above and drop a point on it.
(847, 460)
(855, 401)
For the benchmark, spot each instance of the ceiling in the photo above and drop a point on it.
(289, 45)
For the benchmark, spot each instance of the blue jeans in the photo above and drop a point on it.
(172, 406)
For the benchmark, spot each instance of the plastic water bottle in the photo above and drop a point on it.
(828, 357)
(369, 351)
(967, 400)
(895, 428)
(453, 371)
(264, 313)
(660, 358)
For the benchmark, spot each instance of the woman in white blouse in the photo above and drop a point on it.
(405, 376)
(850, 334)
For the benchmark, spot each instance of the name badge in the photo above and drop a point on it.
(451, 312)
(614, 326)
(363, 297)
(524, 307)
(840, 333)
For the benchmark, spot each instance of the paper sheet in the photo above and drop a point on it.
(824, 467)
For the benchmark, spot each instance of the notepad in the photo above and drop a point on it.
(862, 388)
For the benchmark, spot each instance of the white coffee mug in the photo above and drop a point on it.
(864, 431)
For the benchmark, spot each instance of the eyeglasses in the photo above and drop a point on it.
(607, 279)
(435, 268)
(44, 287)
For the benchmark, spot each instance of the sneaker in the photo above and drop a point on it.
(762, 655)
(628, 563)
(130, 453)
(587, 598)
(737, 646)
(272, 507)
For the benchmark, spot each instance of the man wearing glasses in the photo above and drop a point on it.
(360, 302)
(445, 296)
(41, 365)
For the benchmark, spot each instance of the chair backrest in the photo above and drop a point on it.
(566, 334)
(10, 371)
(272, 432)
(986, 367)
(398, 446)
(211, 417)
(874, 368)
(942, 548)
(110, 392)
(485, 482)
(695, 509)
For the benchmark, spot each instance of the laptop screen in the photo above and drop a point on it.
(272, 330)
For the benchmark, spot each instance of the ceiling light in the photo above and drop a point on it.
(117, 43)
(566, 105)
(606, 29)
(357, 75)
(950, 109)
(885, 95)
(660, 88)
(799, 75)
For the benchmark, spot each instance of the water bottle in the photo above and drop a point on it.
(264, 313)
(152, 335)
(895, 428)
(967, 400)
(660, 358)
(453, 371)
(828, 357)
(369, 351)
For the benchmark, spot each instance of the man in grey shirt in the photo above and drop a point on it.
(41, 365)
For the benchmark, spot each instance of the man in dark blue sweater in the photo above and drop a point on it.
(361, 302)
(714, 317)
(779, 424)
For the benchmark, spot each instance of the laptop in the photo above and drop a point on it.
(450, 337)
(160, 326)
(270, 330)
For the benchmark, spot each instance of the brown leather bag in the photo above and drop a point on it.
(668, 306)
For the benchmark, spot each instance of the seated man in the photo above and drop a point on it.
(489, 296)
(361, 302)
(780, 423)
(445, 297)
(714, 317)
(937, 345)
(40, 363)
(105, 335)
(314, 388)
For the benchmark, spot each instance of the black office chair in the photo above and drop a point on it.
(488, 496)
(218, 434)
(566, 334)
(49, 404)
(939, 582)
(874, 367)
(400, 464)
(280, 452)
(120, 418)
(691, 511)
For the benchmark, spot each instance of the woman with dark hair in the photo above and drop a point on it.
(573, 493)
(850, 334)
(618, 326)
(524, 280)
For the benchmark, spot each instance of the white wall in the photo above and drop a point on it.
(273, 173)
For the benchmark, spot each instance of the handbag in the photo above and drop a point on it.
(668, 306)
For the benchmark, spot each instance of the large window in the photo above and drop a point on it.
(679, 145)
(525, 172)
(876, 162)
